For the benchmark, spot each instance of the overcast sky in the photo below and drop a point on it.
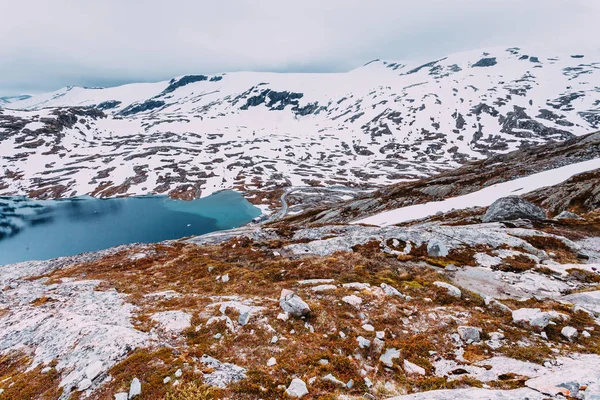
(48, 44)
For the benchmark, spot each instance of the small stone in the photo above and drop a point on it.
(544, 335)
(436, 248)
(380, 334)
(271, 362)
(353, 300)
(121, 396)
(167, 380)
(378, 345)
(333, 379)
(211, 268)
(135, 389)
(342, 335)
(297, 388)
(274, 339)
(569, 332)
(585, 334)
(283, 316)
(452, 290)
(391, 291)
(567, 215)
(244, 318)
(533, 316)
(368, 383)
(350, 384)
(356, 285)
(469, 334)
(225, 278)
(362, 342)
(411, 368)
(84, 384)
(368, 328)
(291, 303)
(218, 336)
(450, 268)
(388, 357)
(46, 370)
(178, 373)
(323, 361)
(323, 288)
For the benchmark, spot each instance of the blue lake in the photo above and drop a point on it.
(45, 229)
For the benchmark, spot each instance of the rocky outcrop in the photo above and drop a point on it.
(511, 208)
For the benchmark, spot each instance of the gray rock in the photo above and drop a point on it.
(121, 396)
(469, 334)
(412, 368)
(291, 303)
(592, 392)
(135, 389)
(567, 215)
(452, 290)
(532, 316)
(222, 373)
(436, 248)
(244, 318)
(84, 385)
(511, 208)
(297, 388)
(362, 342)
(569, 332)
(388, 357)
(334, 380)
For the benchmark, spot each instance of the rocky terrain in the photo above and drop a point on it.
(261, 132)
(494, 302)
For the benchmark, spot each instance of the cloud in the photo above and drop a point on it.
(49, 44)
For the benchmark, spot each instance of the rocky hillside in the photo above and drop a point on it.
(383, 122)
(498, 302)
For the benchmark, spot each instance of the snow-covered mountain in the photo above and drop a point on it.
(377, 124)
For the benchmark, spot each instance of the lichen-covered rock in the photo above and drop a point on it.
(532, 316)
(291, 303)
(511, 208)
(469, 334)
(221, 374)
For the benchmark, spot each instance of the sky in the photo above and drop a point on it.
(49, 44)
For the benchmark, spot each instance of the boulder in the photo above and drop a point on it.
(135, 389)
(388, 357)
(291, 303)
(511, 208)
(436, 248)
(297, 388)
(411, 368)
(567, 215)
(532, 316)
(469, 334)
(452, 290)
(569, 332)
(353, 300)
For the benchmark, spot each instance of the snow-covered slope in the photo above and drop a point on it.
(374, 125)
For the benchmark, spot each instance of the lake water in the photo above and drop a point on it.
(41, 230)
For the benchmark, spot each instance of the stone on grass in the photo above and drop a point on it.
(388, 357)
(292, 304)
(222, 374)
(511, 208)
(391, 291)
(362, 342)
(532, 316)
(334, 380)
(411, 368)
(178, 373)
(436, 248)
(452, 290)
(174, 321)
(297, 388)
(368, 328)
(167, 380)
(378, 345)
(121, 396)
(271, 362)
(323, 288)
(135, 389)
(353, 300)
(469, 334)
(569, 332)
(244, 318)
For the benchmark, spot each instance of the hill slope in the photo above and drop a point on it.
(385, 121)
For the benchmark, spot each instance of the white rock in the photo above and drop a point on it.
(323, 361)
(368, 383)
(323, 288)
(173, 321)
(217, 336)
(362, 342)
(291, 303)
(283, 316)
(391, 291)
(167, 380)
(135, 389)
(342, 335)
(274, 339)
(452, 290)
(178, 373)
(368, 328)
(411, 368)
(380, 335)
(333, 379)
(353, 300)
(297, 388)
(356, 285)
(532, 316)
(84, 384)
(436, 248)
(271, 362)
(121, 396)
(585, 334)
(469, 334)
(569, 332)
(388, 357)
(225, 278)
(378, 345)
(93, 370)
(244, 318)
(223, 374)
